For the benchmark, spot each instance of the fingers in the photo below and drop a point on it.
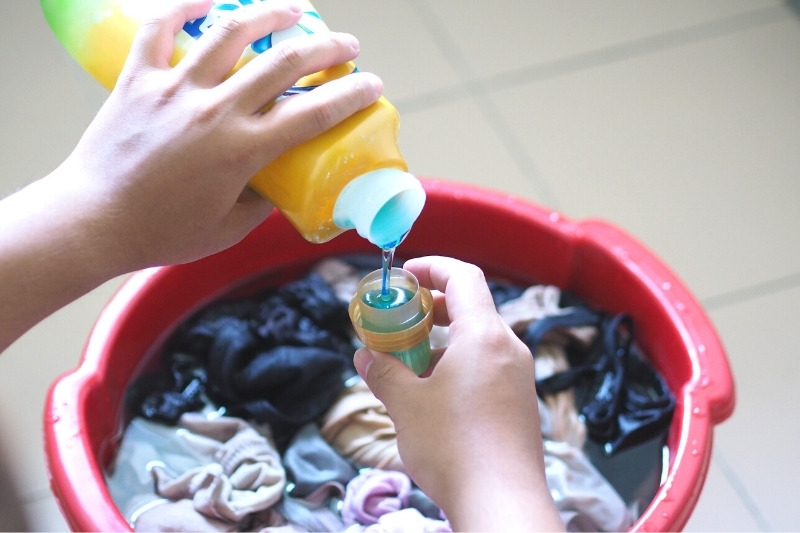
(467, 296)
(218, 50)
(154, 42)
(440, 316)
(299, 118)
(385, 375)
(256, 85)
(267, 76)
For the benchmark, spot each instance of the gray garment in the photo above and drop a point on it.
(312, 464)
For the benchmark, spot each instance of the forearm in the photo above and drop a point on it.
(51, 253)
(504, 492)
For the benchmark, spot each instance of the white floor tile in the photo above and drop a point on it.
(455, 142)
(720, 508)
(393, 44)
(47, 101)
(515, 35)
(28, 368)
(760, 441)
(691, 150)
(44, 515)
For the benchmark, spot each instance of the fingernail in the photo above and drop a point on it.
(362, 360)
(350, 40)
(373, 83)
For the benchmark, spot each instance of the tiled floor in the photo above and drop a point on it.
(678, 121)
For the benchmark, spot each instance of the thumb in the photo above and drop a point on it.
(385, 375)
(249, 211)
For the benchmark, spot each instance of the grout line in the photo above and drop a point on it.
(35, 495)
(740, 489)
(478, 89)
(593, 58)
(646, 45)
(479, 93)
(751, 292)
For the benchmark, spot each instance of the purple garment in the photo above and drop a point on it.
(406, 520)
(373, 494)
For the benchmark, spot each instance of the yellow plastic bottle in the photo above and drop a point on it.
(350, 177)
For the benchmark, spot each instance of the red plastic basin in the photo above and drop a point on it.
(507, 237)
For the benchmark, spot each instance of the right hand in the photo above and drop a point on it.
(165, 164)
(468, 430)
(160, 176)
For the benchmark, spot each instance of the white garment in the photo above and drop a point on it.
(585, 499)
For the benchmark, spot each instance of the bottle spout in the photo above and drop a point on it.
(380, 205)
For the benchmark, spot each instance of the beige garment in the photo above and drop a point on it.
(245, 474)
(566, 425)
(358, 427)
(534, 303)
(585, 499)
(341, 276)
(181, 515)
(539, 301)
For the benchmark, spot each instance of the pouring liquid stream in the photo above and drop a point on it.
(387, 297)
(387, 258)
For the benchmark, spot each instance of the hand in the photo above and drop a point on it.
(164, 166)
(468, 432)
(160, 176)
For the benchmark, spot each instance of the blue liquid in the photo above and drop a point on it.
(394, 297)
(387, 257)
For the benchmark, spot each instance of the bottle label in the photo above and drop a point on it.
(310, 22)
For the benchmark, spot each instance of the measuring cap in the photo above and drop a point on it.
(401, 330)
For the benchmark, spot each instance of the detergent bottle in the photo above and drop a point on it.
(352, 176)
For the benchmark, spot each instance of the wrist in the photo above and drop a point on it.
(501, 488)
(51, 253)
(84, 224)
(500, 504)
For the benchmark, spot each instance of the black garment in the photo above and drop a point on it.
(279, 357)
(286, 386)
(422, 503)
(165, 396)
(313, 297)
(623, 400)
(503, 292)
